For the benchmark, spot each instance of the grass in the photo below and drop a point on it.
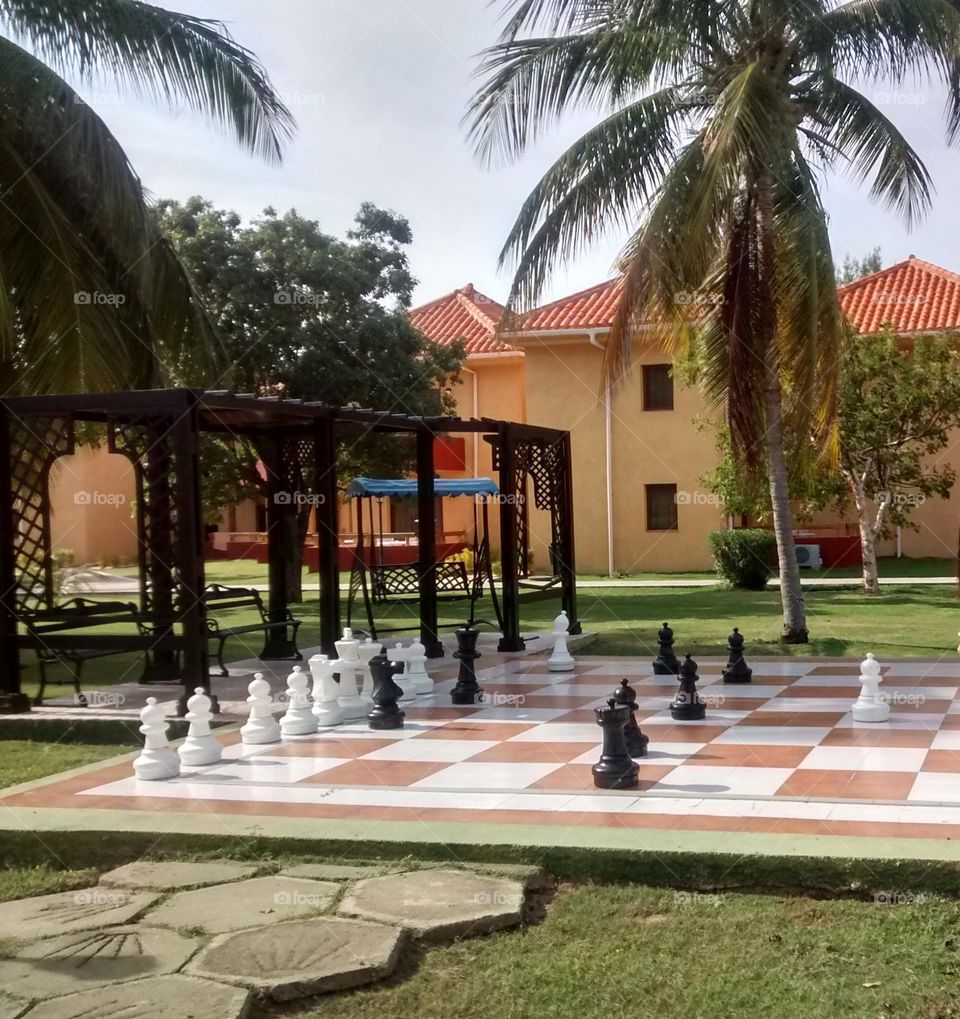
(910, 620)
(27, 760)
(636, 951)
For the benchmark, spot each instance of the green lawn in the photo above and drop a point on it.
(910, 620)
(633, 951)
(27, 760)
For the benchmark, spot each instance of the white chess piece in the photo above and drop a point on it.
(870, 706)
(403, 679)
(261, 727)
(200, 747)
(561, 660)
(417, 668)
(299, 719)
(346, 666)
(326, 690)
(368, 649)
(157, 760)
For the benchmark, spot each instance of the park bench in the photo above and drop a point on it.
(218, 598)
(78, 614)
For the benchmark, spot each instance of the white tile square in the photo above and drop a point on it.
(937, 787)
(610, 801)
(689, 778)
(448, 751)
(559, 732)
(947, 739)
(483, 775)
(898, 720)
(658, 754)
(518, 713)
(794, 705)
(774, 735)
(865, 758)
(270, 769)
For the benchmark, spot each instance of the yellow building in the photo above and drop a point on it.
(639, 452)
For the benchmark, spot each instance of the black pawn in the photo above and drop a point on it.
(615, 769)
(737, 670)
(385, 713)
(467, 690)
(637, 741)
(666, 664)
(687, 706)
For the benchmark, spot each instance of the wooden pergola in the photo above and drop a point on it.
(160, 432)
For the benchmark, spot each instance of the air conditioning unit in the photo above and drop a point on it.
(809, 555)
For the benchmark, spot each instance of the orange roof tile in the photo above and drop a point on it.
(910, 297)
(589, 309)
(465, 314)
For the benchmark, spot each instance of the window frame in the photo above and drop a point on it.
(648, 505)
(647, 374)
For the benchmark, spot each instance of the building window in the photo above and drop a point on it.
(657, 387)
(661, 507)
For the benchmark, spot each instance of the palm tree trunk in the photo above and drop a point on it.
(868, 542)
(791, 590)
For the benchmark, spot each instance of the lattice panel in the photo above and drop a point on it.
(34, 446)
(404, 580)
(299, 464)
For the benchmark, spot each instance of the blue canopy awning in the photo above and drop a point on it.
(406, 487)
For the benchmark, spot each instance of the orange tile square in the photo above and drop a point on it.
(389, 773)
(942, 760)
(577, 777)
(855, 785)
(745, 756)
(818, 719)
(477, 730)
(908, 738)
(329, 748)
(533, 753)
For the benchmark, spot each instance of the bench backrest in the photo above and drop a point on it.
(79, 613)
(218, 598)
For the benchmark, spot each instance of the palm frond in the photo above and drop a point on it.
(162, 54)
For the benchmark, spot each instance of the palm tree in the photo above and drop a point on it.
(719, 120)
(91, 296)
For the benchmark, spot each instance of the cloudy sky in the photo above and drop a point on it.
(378, 88)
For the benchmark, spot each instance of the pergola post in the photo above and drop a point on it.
(328, 531)
(427, 544)
(12, 699)
(281, 524)
(190, 565)
(567, 564)
(509, 539)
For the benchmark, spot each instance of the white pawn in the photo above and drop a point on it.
(561, 660)
(417, 668)
(403, 679)
(368, 649)
(298, 720)
(200, 747)
(157, 760)
(870, 706)
(326, 690)
(346, 666)
(261, 727)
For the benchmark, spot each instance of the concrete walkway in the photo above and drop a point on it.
(158, 940)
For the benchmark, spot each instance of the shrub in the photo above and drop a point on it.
(744, 558)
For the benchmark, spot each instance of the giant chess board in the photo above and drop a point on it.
(782, 754)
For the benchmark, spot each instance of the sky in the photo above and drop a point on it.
(378, 89)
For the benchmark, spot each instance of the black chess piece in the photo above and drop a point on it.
(687, 705)
(666, 664)
(615, 769)
(467, 690)
(737, 670)
(385, 713)
(637, 741)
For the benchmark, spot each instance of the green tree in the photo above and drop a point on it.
(855, 268)
(718, 119)
(91, 297)
(313, 317)
(897, 408)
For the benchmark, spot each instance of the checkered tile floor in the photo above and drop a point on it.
(781, 754)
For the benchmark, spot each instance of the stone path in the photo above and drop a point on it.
(213, 940)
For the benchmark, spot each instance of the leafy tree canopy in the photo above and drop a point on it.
(854, 268)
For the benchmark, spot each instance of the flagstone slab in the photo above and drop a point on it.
(10, 1009)
(300, 958)
(65, 912)
(438, 904)
(168, 997)
(166, 876)
(252, 903)
(76, 962)
(334, 871)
